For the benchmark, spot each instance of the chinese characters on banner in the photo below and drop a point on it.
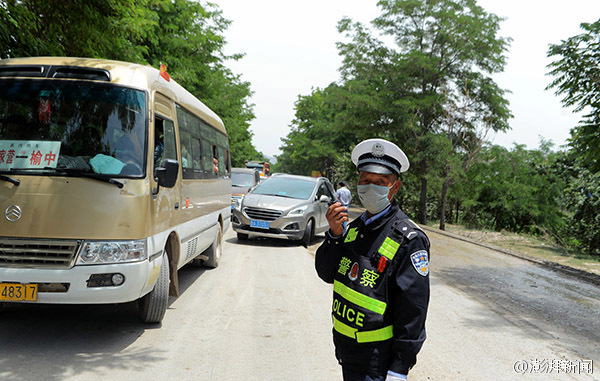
(28, 154)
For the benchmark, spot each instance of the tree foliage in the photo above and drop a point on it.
(577, 78)
(186, 35)
(516, 190)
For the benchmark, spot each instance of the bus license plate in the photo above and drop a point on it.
(259, 224)
(16, 292)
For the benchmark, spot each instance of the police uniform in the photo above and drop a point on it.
(379, 269)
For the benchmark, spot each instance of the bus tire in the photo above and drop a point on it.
(215, 250)
(153, 305)
(242, 236)
(309, 233)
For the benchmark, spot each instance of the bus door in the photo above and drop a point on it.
(166, 202)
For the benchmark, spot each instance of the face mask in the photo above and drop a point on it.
(374, 197)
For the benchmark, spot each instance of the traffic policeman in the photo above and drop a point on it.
(379, 267)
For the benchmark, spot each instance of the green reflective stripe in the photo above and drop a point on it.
(359, 299)
(344, 329)
(389, 248)
(382, 334)
(351, 236)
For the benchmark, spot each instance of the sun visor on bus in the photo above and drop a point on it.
(23, 71)
(71, 72)
(79, 73)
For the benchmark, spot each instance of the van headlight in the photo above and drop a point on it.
(297, 211)
(94, 253)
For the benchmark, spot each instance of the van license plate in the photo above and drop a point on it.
(16, 292)
(259, 224)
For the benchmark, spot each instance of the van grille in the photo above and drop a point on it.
(262, 214)
(37, 253)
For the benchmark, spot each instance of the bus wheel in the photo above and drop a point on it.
(215, 250)
(242, 236)
(153, 305)
(309, 233)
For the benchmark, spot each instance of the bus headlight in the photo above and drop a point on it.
(94, 253)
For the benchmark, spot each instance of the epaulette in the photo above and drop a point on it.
(407, 228)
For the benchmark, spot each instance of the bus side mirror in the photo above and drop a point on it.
(166, 174)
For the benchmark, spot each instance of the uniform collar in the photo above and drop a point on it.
(380, 218)
(367, 220)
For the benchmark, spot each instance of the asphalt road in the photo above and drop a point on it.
(263, 314)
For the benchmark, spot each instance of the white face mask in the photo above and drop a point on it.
(374, 197)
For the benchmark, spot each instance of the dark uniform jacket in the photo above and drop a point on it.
(381, 292)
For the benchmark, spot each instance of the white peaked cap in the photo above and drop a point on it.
(379, 156)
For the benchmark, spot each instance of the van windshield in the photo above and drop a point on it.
(241, 179)
(48, 125)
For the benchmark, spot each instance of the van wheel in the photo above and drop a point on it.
(153, 305)
(309, 233)
(242, 236)
(215, 250)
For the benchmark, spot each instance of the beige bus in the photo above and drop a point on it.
(112, 177)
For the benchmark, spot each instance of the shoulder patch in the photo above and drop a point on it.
(420, 261)
(351, 235)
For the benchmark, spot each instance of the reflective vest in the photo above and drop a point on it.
(360, 287)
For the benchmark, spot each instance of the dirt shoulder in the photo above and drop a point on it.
(530, 248)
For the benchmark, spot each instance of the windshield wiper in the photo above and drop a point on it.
(10, 180)
(76, 172)
(276, 195)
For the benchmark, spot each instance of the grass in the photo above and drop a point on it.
(538, 247)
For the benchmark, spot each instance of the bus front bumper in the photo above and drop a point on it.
(89, 284)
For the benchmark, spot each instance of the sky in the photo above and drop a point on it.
(289, 49)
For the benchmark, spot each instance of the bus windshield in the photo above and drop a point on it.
(84, 127)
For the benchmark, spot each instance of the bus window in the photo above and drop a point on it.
(164, 141)
(222, 161)
(186, 154)
(197, 158)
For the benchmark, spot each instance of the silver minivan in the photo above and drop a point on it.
(285, 206)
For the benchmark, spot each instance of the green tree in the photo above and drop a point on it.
(516, 190)
(94, 28)
(577, 78)
(581, 202)
(584, 203)
(443, 55)
(189, 38)
(313, 143)
(186, 35)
